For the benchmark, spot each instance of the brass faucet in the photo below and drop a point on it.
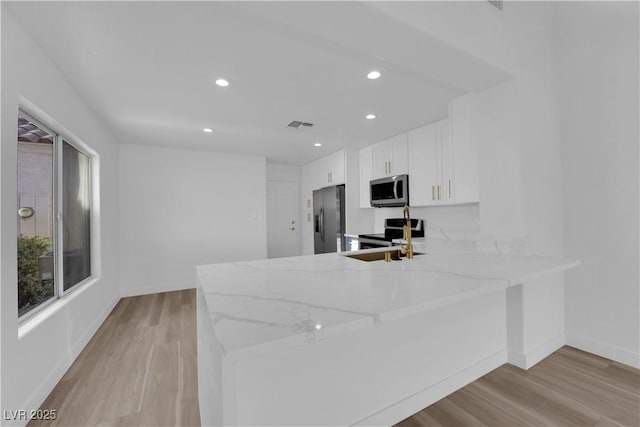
(406, 233)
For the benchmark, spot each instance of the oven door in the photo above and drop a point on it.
(373, 243)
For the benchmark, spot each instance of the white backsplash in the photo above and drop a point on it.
(457, 229)
(504, 245)
(461, 222)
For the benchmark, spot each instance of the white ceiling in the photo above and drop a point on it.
(148, 70)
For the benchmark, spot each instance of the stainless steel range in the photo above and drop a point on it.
(392, 230)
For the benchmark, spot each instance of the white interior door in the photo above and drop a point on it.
(283, 217)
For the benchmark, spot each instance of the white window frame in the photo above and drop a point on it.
(61, 135)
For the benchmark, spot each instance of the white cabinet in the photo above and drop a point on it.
(443, 159)
(390, 157)
(430, 165)
(447, 183)
(334, 167)
(366, 175)
(326, 171)
(464, 150)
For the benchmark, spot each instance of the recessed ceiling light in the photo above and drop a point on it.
(222, 82)
(373, 75)
(317, 144)
(371, 116)
(207, 130)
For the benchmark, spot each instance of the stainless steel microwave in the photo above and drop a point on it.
(390, 191)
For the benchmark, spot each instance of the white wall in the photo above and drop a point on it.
(36, 355)
(597, 58)
(509, 39)
(282, 172)
(182, 208)
(516, 124)
(495, 126)
(576, 104)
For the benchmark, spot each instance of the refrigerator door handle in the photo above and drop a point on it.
(322, 223)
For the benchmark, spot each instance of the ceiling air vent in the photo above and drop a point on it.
(496, 3)
(296, 124)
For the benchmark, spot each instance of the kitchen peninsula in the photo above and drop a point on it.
(332, 340)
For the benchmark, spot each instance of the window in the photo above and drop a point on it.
(54, 215)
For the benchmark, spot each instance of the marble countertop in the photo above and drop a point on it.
(262, 307)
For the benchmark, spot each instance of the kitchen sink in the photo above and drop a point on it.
(396, 255)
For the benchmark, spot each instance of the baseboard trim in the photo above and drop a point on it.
(609, 351)
(530, 358)
(420, 400)
(42, 391)
(156, 289)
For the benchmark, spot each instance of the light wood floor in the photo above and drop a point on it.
(568, 388)
(140, 369)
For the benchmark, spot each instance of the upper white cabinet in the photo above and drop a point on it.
(366, 175)
(390, 157)
(333, 168)
(430, 165)
(443, 159)
(464, 150)
(325, 172)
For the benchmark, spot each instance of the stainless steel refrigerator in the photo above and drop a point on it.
(328, 220)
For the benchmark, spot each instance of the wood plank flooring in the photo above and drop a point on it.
(568, 388)
(140, 370)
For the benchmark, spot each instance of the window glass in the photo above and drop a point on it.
(36, 275)
(76, 215)
(54, 197)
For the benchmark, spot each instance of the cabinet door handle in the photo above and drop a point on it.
(389, 166)
(386, 168)
(449, 188)
(438, 192)
(433, 192)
